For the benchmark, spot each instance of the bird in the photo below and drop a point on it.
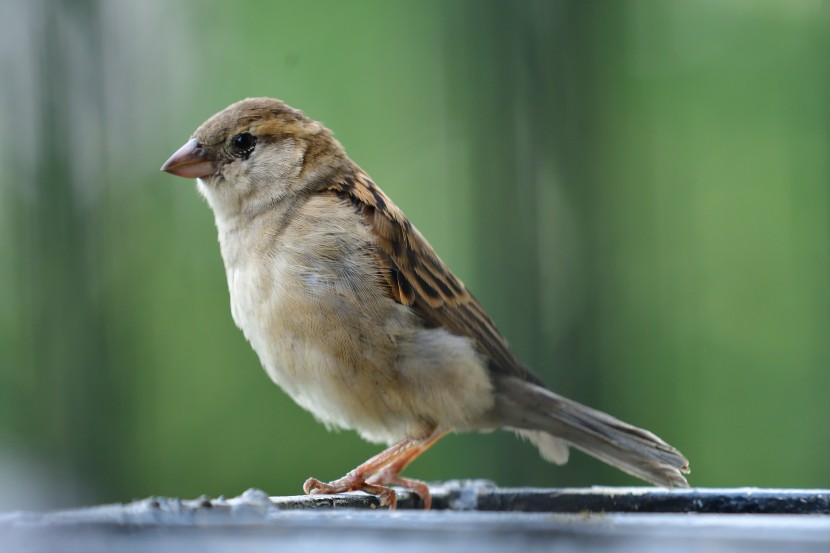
(356, 317)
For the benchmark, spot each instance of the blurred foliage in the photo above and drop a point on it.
(636, 191)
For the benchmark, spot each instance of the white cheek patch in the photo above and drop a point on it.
(248, 185)
(277, 163)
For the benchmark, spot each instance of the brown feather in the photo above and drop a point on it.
(417, 277)
(314, 250)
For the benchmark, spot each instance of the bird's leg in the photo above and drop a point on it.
(383, 470)
(390, 475)
(356, 478)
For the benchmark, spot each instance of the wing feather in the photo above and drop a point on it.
(416, 276)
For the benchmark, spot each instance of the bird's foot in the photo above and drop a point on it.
(350, 483)
(387, 477)
(381, 471)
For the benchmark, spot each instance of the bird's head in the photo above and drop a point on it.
(255, 153)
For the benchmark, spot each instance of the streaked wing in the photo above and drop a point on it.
(417, 277)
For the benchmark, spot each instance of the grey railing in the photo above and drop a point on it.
(466, 516)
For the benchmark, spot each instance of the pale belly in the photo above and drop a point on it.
(355, 358)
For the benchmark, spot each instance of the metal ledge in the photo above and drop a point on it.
(470, 515)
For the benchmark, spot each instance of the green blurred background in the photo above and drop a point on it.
(636, 191)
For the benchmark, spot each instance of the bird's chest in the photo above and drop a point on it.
(293, 315)
(317, 324)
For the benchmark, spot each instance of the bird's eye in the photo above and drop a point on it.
(243, 144)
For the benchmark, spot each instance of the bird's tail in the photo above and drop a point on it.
(553, 423)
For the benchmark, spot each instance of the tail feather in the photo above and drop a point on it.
(548, 419)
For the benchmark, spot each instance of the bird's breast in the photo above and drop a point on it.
(313, 307)
(315, 339)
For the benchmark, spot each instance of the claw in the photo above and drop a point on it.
(387, 477)
(312, 485)
(387, 496)
(381, 471)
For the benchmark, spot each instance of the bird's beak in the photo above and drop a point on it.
(191, 161)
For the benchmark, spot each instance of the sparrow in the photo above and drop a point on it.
(357, 319)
